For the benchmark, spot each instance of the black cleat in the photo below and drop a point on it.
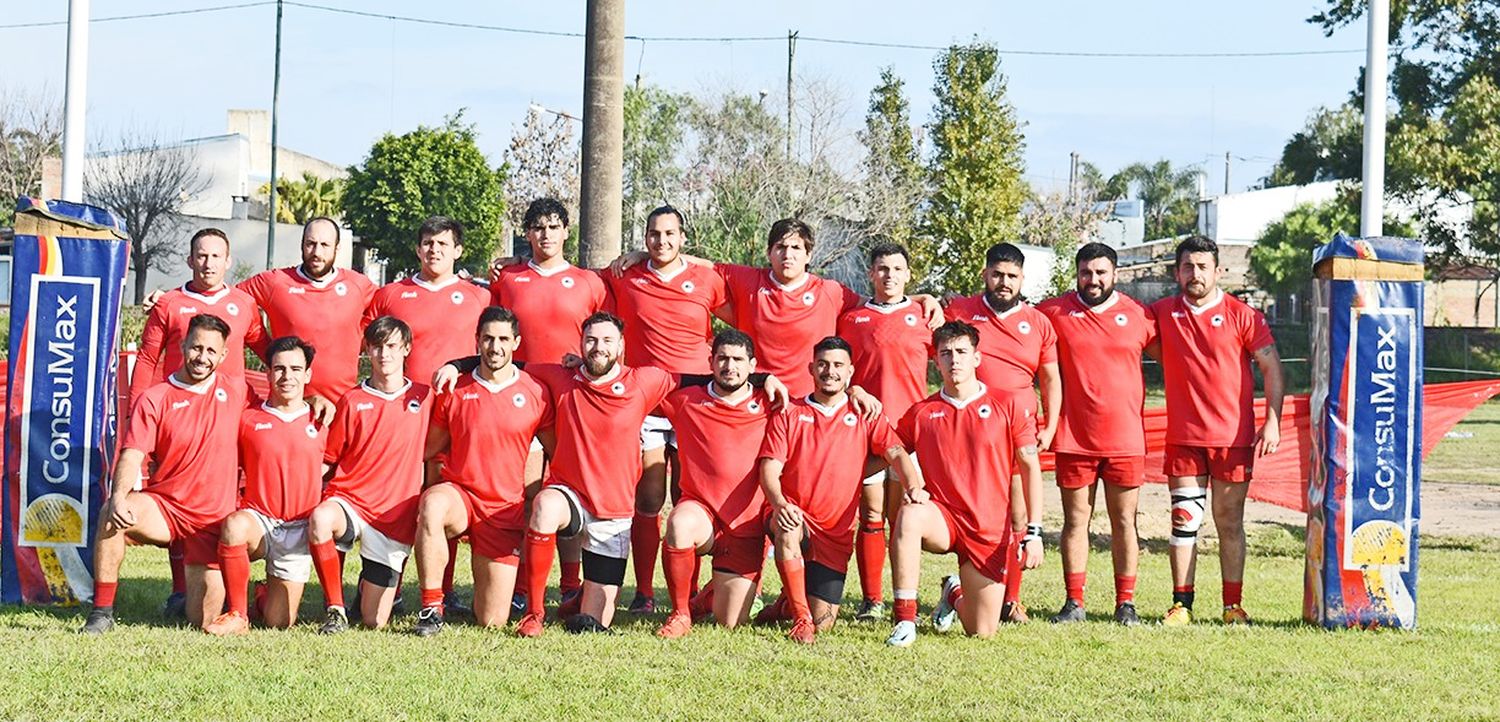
(870, 611)
(429, 622)
(642, 604)
(585, 624)
(335, 622)
(101, 620)
(517, 604)
(456, 606)
(1125, 614)
(175, 607)
(1071, 612)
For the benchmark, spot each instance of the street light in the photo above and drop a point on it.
(535, 108)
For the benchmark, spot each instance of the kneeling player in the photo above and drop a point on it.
(812, 467)
(375, 457)
(281, 452)
(486, 425)
(719, 431)
(966, 435)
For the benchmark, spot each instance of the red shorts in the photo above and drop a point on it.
(737, 550)
(830, 548)
(1224, 463)
(987, 557)
(496, 535)
(1080, 471)
(200, 538)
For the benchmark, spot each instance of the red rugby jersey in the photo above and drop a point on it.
(160, 352)
(966, 447)
(442, 317)
(551, 305)
(1205, 358)
(377, 441)
(282, 455)
(718, 444)
(598, 451)
(325, 313)
(891, 347)
(1014, 344)
(785, 321)
(190, 432)
(824, 451)
(490, 427)
(668, 315)
(1099, 356)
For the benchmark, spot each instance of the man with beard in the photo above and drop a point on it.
(1207, 340)
(485, 425)
(1019, 346)
(1101, 333)
(812, 463)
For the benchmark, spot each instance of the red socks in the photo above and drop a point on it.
(794, 587)
(234, 561)
(678, 565)
(1013, 568)
(1074, 582)
(905, 610)
(572, 572)
(956, 596)
(1124, 589)
(330, 566)
(448, 570)
(869, 557)
(702, 602)
(645, 539)
(1232, 591)
(104, 593)
(539, 550)
(175, 556)
(432, 598)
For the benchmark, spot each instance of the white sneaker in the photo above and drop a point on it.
(945, 614)
(903, 635)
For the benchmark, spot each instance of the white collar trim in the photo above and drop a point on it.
(828, 410)
(199, 388)
(613, 374)
(997, 314)
(1114, 298)
(889, 308)
(1199, 310)
(725, 399)
(284, 416)
(667, 275)
(495, 388)
(789, 287)
(392, 396)
(318, 283)
(961, 403)
(215, 297)
(544, 272)
(429, 285)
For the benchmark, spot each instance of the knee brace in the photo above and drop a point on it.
(378, 574)
(603, 570)
(1187, 515)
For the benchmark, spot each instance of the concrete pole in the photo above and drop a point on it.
(75, 101)
(1371, 211)
(603, 133)
(275, 113)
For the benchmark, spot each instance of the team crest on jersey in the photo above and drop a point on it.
(985, 411)
(911, 319)
(808, 298)
(1217, 320)
(221, 395)
(457, 297)
(850, 419)
(1024, 327)
(1120, 319)
(519, 400)
(617, 388)
(687, 287)
(753, 407)
(414, 406)
(312, 431)
(340, 288)
(567, 282)
(232, 309)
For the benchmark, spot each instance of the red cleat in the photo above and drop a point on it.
(773, 613)
(530, 625)
(228, 624)
(803, 631)
(571, 605)
(677, 626)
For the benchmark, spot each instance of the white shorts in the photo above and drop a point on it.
(373, 545)
(536, 444)
(605, 537)
(656, 432)
(287, 556)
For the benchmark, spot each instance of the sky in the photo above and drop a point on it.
(346, 80)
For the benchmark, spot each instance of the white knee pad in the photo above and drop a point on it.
(1187, 514)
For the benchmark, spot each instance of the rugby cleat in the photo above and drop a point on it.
(678, 625)
(517, 604)
(585, 624)
(642, 604)
(334, 622)
(1014, 613)
(870, 611)
(1125, 614)
(1235, 614)
(803, 631)
(456, 606)
(175, 607)
(1071, 611)
(757, 605)
(530, 625)
(771, 614)
(571, 604)
(945, 613)
(1177, 616)
(904, 634)
(228, 624)
(429, 622)
(100, 620)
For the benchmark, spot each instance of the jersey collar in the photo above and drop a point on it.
(888, 308)
(544, 272)
(789, 287)
(724, 399)
(435, 286)
(284, 416)
(200, 388)
(1013, 310)
(669, 273)
(495, 388)
(961, 403)
(383, 395)
(214, 297)
(318, 283)
(1199, 310)
(613, 374)
(1114, 298)
(827, 410)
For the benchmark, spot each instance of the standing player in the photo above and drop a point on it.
(281, 452)
(1019, 346)
(187, 426)
(1207, 340)
(719, 428)
(485, 425)
(1100, 437)
(891, 346)
(968, 435)
(374, 456)
(811, 466)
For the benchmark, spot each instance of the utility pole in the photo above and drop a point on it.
(75, 100)
(275, 104)
(1072, 177)
(1372, 198)
(1226, 172)
(603, 133)
(791, 52)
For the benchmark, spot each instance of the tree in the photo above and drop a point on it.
(1281, 260)
(1329, 147)
(543, 161)
(144, 183)
(299, 201)
(428, 171)
(894, 181)
(1054, 221)
(654, 130)
(1169, 194)
(977, 191)
(30, 132)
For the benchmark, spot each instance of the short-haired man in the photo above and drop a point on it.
(891, 344)
(812, 464)
(1101, 333)
(1207, 340)
(485, 425)
(1019, 347)
(719, 428)
(968, 435)
(187, 425)
(281, 453)
(374, 464)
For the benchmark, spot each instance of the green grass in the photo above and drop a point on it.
(1468, 460)
(1279, 668)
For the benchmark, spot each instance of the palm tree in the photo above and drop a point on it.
(1169, 194)
(299, 201)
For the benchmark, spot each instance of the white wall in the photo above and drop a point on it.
(247, 248)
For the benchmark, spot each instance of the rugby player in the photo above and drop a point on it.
(373, 463)
(187, 426)
(485, 425)
(891, 344)
(1101, 333)
(1019, 346)
(281, 453)
(968, 436)
(1207, 340)
(812, 464)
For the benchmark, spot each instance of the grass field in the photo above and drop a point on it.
(1279, 668)
(1469, 455)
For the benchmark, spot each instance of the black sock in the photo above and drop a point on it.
(1183, 598)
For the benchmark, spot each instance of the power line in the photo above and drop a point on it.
(141, 16)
